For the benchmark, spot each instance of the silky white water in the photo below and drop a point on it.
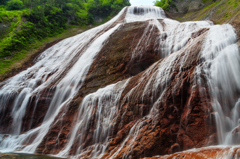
(53, 61)
(64, 66)
(222, 66)
(103, 106)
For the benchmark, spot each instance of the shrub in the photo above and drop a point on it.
(14, 5)
(3, 2)
(164, 4)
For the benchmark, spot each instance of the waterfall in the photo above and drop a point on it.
(222, 66)
(208, 52)
(105, 115)
(53, 62)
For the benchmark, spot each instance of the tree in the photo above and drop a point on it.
(3, 2)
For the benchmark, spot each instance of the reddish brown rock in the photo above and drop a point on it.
(205, 153)
(180, 121)
(111, 65)
(154, 120)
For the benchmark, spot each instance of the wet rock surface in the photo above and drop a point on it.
(113, 64)
(24, 156)
(180, 121)
(162, 109)
(205, 153)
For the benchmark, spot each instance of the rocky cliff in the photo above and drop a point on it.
(182, 7)
(140, 85)
(218, 11)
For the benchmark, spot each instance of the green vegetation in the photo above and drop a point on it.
(205, 11)
(25, 24)
(164, 4)
(14, 5)
(23, 55)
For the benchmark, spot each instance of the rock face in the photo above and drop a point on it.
(205, 153)
(215, 10)
(3, 28)
(180, 6)
(140, 85)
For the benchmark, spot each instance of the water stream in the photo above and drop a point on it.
(63, 67)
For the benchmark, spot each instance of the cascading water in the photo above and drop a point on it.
(101, 106)
(222, 66)
(61, 70)
(27, 82)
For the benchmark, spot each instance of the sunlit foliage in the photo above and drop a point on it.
(32, 20)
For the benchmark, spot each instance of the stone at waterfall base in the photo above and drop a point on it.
(205, 153)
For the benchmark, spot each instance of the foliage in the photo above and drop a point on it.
(9, 16)
(34, 20)
(3, 2)
(164, 4)
(105, 7)
(14, 5)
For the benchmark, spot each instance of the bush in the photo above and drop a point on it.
(45, 18)
(164, 4)
(14, 5)
(18, 41)
(3, 2)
